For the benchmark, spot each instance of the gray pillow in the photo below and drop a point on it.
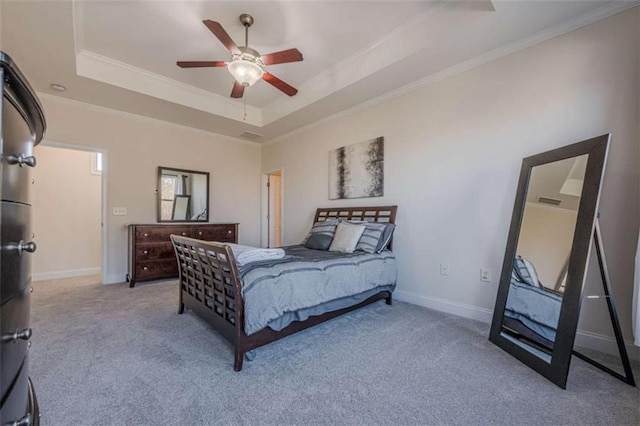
(327, 227)
(375, 237)
(386, 237)
(370, 237)
(318, 241)
(526, 272)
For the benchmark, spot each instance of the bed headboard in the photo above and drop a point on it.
(386, 214)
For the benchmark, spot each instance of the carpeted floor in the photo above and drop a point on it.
(115, 355)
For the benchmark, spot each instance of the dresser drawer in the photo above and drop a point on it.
(16, 404)
(222, 233)
(15, 332)
(17, 155)
(154, 234)
(15, 259)
(154, 251)
(167, 268)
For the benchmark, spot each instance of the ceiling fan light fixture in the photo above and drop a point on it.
(245, 72)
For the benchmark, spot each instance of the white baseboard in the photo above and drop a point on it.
(115, 279)
(597, 342)
(443, 305)
(42, 276)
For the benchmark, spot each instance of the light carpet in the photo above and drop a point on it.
(115, 355)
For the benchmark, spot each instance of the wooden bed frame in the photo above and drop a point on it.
(210, 284)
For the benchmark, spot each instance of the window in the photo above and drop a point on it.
(168, 187)
(96, 163)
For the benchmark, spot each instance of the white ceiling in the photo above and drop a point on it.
(122, 54)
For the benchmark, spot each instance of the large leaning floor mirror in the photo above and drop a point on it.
(553, 226)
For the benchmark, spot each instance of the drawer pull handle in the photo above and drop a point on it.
(21, 160)
(184, 234)
(29, 247)
(145, 235)
(229, 231)
(14, 337)
(25, 421)
(145, 268)
(199, 232)
(146, 252)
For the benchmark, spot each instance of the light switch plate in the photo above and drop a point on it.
(119, 211)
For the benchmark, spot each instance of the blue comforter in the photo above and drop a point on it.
(310, 282)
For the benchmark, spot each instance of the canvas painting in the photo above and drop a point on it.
(357, 171)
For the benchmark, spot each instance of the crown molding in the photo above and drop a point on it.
(596, 15)
(143, 118)
(107, 70)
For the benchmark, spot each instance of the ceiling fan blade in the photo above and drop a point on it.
(200, 64)
(222, 35)
(279, 84)
(237, 91)
(284, 56)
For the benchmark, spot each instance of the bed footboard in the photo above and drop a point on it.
(210, 286)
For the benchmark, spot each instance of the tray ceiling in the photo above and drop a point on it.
(122, 54)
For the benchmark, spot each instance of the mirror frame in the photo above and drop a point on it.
(558, 369)
(159, 196)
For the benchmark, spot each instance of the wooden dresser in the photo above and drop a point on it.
(22, 127)
(151, 254)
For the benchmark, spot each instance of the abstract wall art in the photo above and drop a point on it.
(357, 171)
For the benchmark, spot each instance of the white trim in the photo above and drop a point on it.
(108, 70)
(447, 306)
(115, 279)
(43, 276)
(264, 205)
(597, 342)
(141, 118)
(568, 26)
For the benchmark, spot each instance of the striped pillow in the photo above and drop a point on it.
(370, 240)
(327, 227)
(526, 272)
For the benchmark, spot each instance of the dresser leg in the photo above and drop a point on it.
(132, 283)
(181, 309)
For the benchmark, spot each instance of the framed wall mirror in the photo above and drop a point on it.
(544, 269)
(183, 195)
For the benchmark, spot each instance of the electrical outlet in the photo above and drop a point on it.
(119, 211)
(485, 275)
(444, 269)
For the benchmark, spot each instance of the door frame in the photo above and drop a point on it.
(264, 206)
(104, 216)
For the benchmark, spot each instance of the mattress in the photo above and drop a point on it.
(311, 282)
(538, 309)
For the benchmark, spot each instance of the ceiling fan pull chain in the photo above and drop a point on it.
(244, 104)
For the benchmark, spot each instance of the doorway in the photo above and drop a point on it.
(272, 208)
(68, 200)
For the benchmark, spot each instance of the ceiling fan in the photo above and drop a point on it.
(246, 65)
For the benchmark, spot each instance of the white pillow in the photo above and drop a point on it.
(346, 238)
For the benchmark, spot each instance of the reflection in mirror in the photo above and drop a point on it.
(183, 195)
(181, 207)
(539, 269)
